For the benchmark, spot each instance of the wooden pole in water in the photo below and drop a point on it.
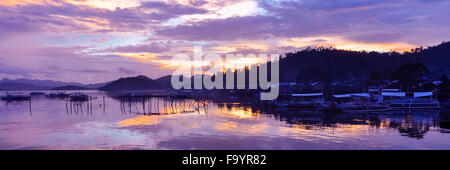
(91, 106)
(87, 107)
(75, 109)
(143, 106)
(67, 108)
(30, 106)
(129, 104)
(121, 106)
(104, 105)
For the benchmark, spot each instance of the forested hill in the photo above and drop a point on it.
(312, 63)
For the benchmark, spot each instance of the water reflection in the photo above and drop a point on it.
(410, 124)
(19, 104)
(143, 120)
(105, 122)
(161, 105)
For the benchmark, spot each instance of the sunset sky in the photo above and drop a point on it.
(91, 41)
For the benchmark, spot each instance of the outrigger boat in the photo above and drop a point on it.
(373, 107)
(302, 101)
(360, 102)
(415, 104)
(385, 100)
(420, 100)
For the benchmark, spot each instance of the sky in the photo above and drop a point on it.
(92, 41)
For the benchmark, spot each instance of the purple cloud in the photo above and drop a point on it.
(354, 19)
(47, 16)
(173, 9)
(153, 47)
(12, 70)
(127, 71)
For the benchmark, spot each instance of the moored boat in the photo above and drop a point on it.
(37, 93)
(57, 95)
(302, 101)
(79, 97)
(371, 107)
(16, 97)
(329, 107)
(420, 100)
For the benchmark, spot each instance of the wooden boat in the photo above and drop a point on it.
(415, 104)
(57, 95)
(78, 97)
(329, 107)
(304, 105)
(302, 101)
(16, 97)
(37, 93)
(371, 107)
(419, 100)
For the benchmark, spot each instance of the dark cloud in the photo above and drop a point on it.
(48, 17)
(11, 23)
(197, 2)
(172, 9)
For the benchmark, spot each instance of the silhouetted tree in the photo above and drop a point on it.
(409, 74)
(444, 88)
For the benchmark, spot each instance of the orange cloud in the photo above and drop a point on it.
(21, 2)
(107, 4)
(104, 4)
(142, 57)
(342, 43)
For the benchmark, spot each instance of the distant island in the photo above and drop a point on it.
(11, 86)
(33, 84)
(140, 82)
(71, 88)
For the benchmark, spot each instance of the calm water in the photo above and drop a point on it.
(53, 124)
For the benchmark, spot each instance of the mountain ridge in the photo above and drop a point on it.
(140, 82)
(305, 65)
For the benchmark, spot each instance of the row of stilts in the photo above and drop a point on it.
(161, 105)
(76, 107)
(147, 105)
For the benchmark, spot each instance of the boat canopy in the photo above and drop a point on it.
(351, 94)
(437, 83)
(423, 94)
(394, 94)
(307, 95)
(391, 90)
(287, 83)
(384, 90)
